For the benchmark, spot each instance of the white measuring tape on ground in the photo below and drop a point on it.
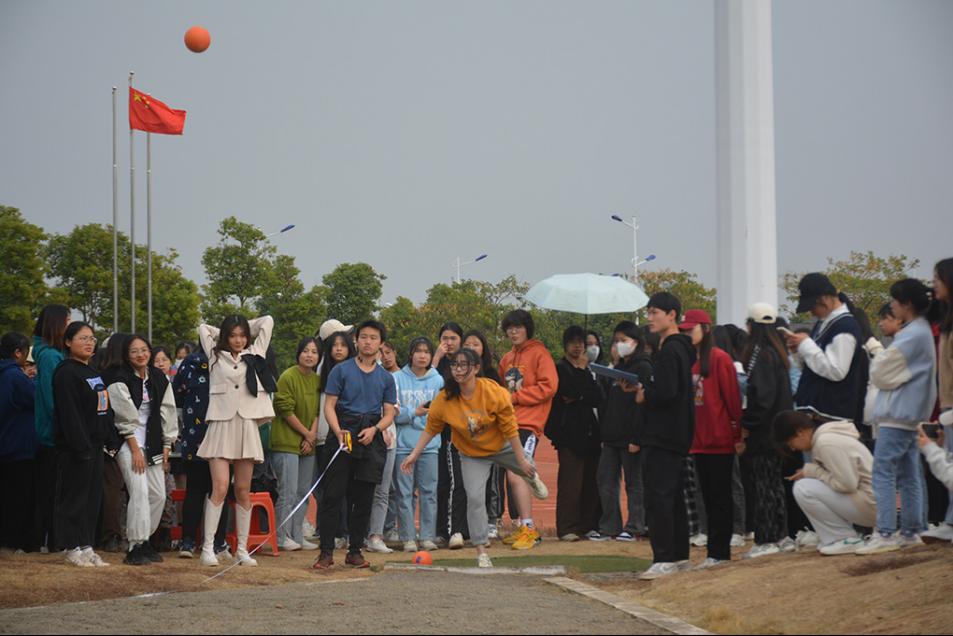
(343, 447)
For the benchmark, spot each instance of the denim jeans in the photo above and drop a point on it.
(424, 479)
(897, 467)
(295, 475)
(382, 496)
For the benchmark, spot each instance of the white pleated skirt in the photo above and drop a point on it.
(237, 438)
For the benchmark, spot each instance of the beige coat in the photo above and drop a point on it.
(228, 394)
(945, 363)
(843, 463)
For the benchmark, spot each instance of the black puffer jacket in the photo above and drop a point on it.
(670, 397)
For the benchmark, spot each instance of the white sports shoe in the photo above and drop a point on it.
(569, 537)
(410, 546)
(392, 537)
(709, 563)
(77, 558)
(911, 541)
(307, 530)
(942, 533)
(456, 541)
(492, 532)
(540, 491)
(377, 545)
(683, 566)
(340, 543)
(307, 545)
(737, 541)
(428, 545)
(483, 561)
(806, 539)
(699, 540)
(658, 570)
(787, 544)
(849, 545)
(94, 558)
(764, 549)
(289, 545)
(879, 544)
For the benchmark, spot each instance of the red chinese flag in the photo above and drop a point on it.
(149, 114)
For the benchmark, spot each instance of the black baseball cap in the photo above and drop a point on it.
(811, 288)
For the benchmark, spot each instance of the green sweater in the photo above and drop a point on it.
(298, 394)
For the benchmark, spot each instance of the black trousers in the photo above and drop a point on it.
(577, 496)
(451, 496)
(496, 494)
(45, 488)
(16, 505)
(340, 483)
(198, 487)
(714, 478)
(79, 492)
(110, 525)
(764, 494)
(663, 472)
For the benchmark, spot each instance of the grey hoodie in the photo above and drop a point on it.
(844, 464)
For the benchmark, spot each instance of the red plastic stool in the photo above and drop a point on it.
(255, 536)
(175, 532)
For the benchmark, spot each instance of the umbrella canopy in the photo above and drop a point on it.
(587, 294)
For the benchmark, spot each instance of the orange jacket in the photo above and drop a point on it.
(530, 374)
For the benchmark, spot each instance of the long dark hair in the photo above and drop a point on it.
(632, 330)
(764, 337)
(304, 342)
(723, 340)
(866, 331)
(112, 354)
(704, 350)
(51, 325)
(225, 330)
(452, 387)
(328, 363)
(488, 367)
(599, 358)
(913, 292)
(944, 309)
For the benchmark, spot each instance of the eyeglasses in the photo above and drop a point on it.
(85, 339)
(138, 352)
(461, 366)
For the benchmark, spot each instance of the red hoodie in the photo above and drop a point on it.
(530, 374)
(717, 406)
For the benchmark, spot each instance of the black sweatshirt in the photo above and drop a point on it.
(670, 397)
(623, 419)
(769, 393)
(572, 422)
(82, 417)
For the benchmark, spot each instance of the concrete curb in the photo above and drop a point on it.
(551, 570)
(674, 625)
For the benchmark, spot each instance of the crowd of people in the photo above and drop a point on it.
(789, 437)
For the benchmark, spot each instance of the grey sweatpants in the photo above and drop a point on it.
(476, 470)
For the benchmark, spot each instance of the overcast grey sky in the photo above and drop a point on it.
(405, 134)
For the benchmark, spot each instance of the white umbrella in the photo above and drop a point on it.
(587, 294)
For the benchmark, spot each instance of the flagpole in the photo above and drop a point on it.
(149, 232)
(132, 223)
(115, 221)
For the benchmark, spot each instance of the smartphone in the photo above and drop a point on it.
(427, 405)
(931, 430)
(785, 331)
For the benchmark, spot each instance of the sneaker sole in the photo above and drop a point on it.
(884, 550)
(935, 540)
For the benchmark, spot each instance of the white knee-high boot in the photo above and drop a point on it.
(212, 515)
(242, 525)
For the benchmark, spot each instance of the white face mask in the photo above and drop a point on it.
(625, 348)
(592, 353)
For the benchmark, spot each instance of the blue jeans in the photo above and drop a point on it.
(295, 475)
(897, 466)
(424, 478)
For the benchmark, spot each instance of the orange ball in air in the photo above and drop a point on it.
(423, 558)
(197, 39)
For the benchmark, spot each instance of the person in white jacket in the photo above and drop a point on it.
(144, 405)
(939, 459)
(835, 488)
(238, 405)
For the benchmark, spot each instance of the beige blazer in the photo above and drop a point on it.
(228, 394)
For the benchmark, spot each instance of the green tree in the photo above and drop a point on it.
(863, 276)
(297, 313)
(685, 285)
(403, 322)
(237, 269)
(22, 285)
(353, 292)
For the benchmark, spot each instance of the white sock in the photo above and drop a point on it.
(529, 523)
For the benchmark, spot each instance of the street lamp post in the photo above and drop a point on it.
(281, 231)
(635, 246)
(459, 264)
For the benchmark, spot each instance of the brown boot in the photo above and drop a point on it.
(356, 560)
(324, 562)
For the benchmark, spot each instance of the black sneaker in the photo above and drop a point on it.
(111, 545)
(136, 557)
(150, 553)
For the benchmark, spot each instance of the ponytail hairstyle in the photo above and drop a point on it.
(913, 292)
(452, 387)
(866, 331)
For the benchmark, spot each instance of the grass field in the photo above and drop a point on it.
(584, 564)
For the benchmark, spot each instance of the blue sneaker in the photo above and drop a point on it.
(186, 548)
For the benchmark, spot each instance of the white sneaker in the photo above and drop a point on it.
(749, 537)
(307, 530)
(787, 544)
(410, 546)
(456, 541)
(806, 539)
(209, 559)
(483, 561)
(243, 558)
(764, 549)
(683, 566)
(709, 563)
(570, 537)
(699, 540)
(625, 536)
(911, 541)
(540, 491)
(94, 558)
(77, 558)
(289, 545)
(428, 545)
(225, 556)
(392, 537)
(340, 543)
(596, 536)
(942, 533)
(492, 533)
(879, 544)
(849, 545)
(658, 570)
(307, 545)
(737, 541)
(377, 545)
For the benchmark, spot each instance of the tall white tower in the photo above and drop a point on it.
(747, 227)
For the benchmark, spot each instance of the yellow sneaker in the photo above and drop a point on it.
(515, 536)
(529, 539)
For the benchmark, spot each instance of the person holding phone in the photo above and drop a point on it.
(931, 442)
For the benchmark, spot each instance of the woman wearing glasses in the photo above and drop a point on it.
(480, 415)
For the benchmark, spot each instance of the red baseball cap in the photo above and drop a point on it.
(694, 317)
